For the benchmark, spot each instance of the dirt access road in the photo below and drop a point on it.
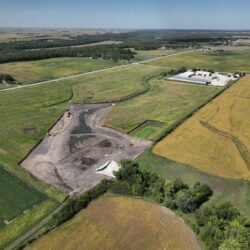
(77, 145)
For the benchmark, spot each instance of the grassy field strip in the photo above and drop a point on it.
(216, 139)
(92, 72)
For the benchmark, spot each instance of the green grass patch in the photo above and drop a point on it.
(237, 192)
(113, 85)
(228, 61)
(15, 196)
(47, 69)
(145, 132)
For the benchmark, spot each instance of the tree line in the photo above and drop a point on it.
(108, 52)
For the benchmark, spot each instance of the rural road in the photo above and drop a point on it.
(92, 72)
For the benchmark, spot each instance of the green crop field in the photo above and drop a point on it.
(41, 70)
(15, 197)
(237, 192)
(167, 102)
(115, 222)
(228, 61)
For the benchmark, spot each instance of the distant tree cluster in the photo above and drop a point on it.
(59, 42)
(114, 53)
(173, 72)
(207, 70)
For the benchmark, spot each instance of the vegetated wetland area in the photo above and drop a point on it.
(140, 101)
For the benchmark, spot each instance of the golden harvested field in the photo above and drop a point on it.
(121, 223)
(217, 138)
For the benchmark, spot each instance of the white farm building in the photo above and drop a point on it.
(205, 78)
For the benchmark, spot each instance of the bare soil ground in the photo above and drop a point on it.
(77, 145)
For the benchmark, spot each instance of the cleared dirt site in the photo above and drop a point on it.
(70, 154)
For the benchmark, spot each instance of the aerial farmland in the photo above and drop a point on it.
(146, 134)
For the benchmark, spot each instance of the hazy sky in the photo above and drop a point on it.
(135, 14)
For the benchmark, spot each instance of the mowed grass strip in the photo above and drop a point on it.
(217, 138)
(167, 102)
(47, 69)
(228, 61)
(121, 223)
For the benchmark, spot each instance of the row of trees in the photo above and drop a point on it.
(173, 194)
(173, 72)
(114, 53)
